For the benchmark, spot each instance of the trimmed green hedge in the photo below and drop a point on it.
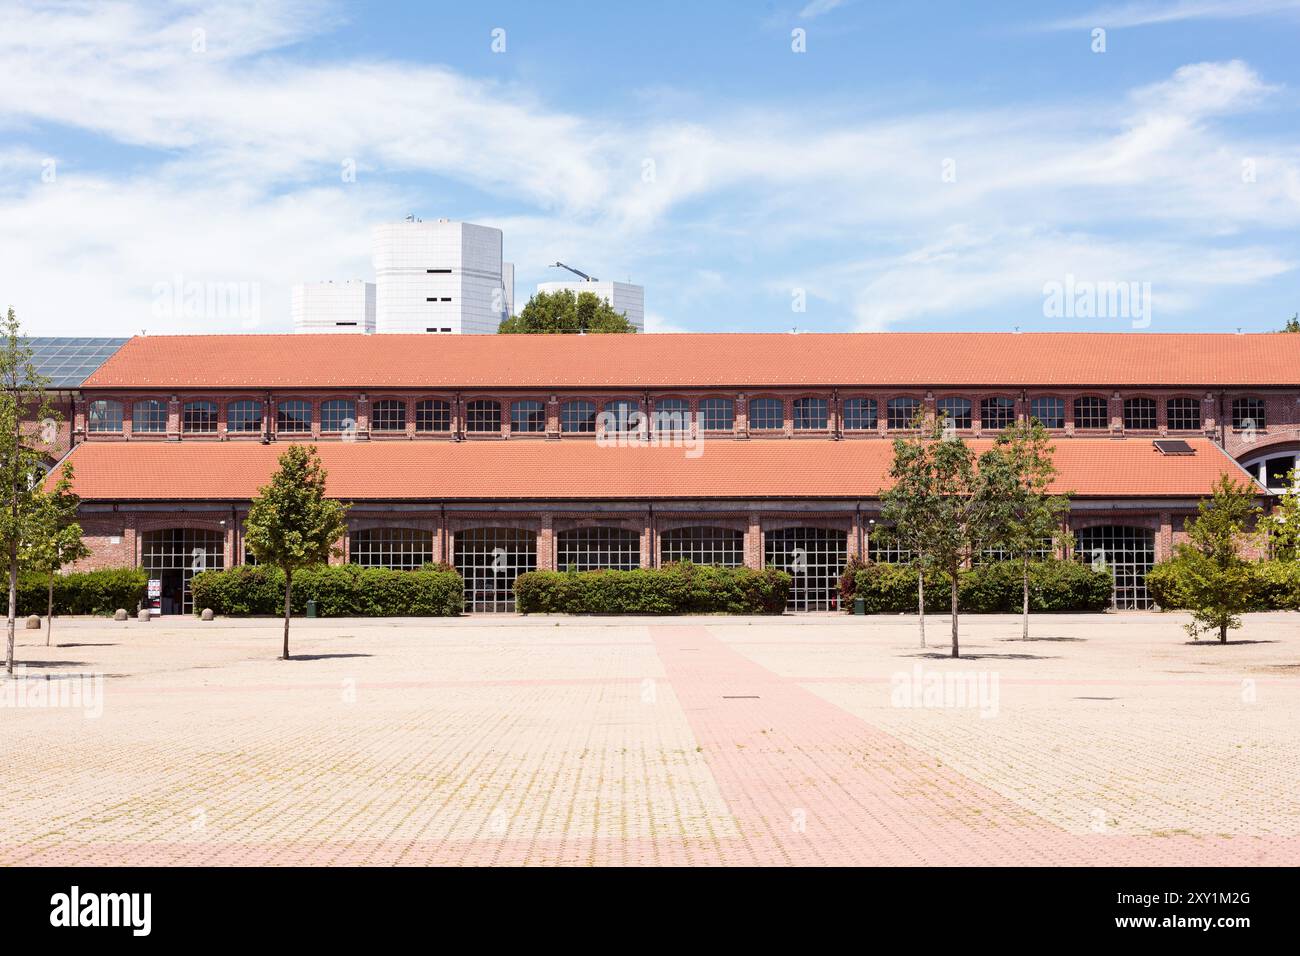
(673, 589)
(1054, 586)
(344, 590)
(83, 592)
(1273, 585)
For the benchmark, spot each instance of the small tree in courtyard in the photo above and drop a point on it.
(23, 453)
(1214, 580)
(53, 537)
(938, 494)
(1024, 512)
(1283, 525)
(291, 523)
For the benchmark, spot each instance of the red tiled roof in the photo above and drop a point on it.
(502, 470)
(664, 361)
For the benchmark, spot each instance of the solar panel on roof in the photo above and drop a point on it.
(1173, 446)
(67, 362)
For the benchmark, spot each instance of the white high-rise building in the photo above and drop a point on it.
(623, 297)
(440, 276)
(347, 306)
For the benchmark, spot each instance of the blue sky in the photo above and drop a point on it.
(918, 166)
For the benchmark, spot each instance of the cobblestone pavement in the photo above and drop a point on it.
(797, 740)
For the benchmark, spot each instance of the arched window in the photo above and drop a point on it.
(671, 416)
(388, 415)
(1248, 413)
(1140, 414)
(489, 559)
(199, 417)
(173, 556)
(954, 412)
(1183, 414)
(810, 414)
(244, 416)
(766, 414)
(860, 414)
(483, 416)
(814, 558)
(717, 415)
(104, 416)
(149, 417)
(578, 417)
(699, 544)
(402, 549)
(902, 413)
(622, 415)
(338, 415)
(1049, 411)
(432, 415)
(997, 413)
(527, 416)
(1091, 411)
(1128, 553)
(598, 549)
(293, 417)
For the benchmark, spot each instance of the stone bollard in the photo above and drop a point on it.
(120, 614)
(143, 617)
(207, 614)
(34, 622)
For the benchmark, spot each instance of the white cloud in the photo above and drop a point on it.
(246, 144)
(1146, 14)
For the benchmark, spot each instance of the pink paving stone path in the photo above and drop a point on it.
(782, 756)
(556, 734)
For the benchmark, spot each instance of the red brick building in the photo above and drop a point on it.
(506, 453)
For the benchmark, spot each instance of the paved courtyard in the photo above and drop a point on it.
(798, 740)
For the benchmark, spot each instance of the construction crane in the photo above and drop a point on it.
(582, 275)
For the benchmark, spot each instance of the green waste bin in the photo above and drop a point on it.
(859, 605)
(311, 608)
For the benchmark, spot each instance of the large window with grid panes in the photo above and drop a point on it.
(402, 549)
(1139, 414)
(702, 544)
(859, 414)
(902, 413)
(293, 417)
(1183, 414)
(1091, 412)
(954, 412)
(997, 413)
(766, 414)
(717, 414)
(432, 415)
(598, 549)
(388, 415)
(578, 417)
(244, 417)
(149, 417)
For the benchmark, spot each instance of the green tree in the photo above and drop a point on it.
(1024, 511)
(940, 499)
(52, 539)
(291, 524)
(1283, 525)
(1292, 324)
(1214, 580)
(23, 453)
(564, 311)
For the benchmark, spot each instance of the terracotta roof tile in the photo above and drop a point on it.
(572, 469)
(663, 361)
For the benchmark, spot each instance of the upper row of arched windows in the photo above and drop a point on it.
(580, 416)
